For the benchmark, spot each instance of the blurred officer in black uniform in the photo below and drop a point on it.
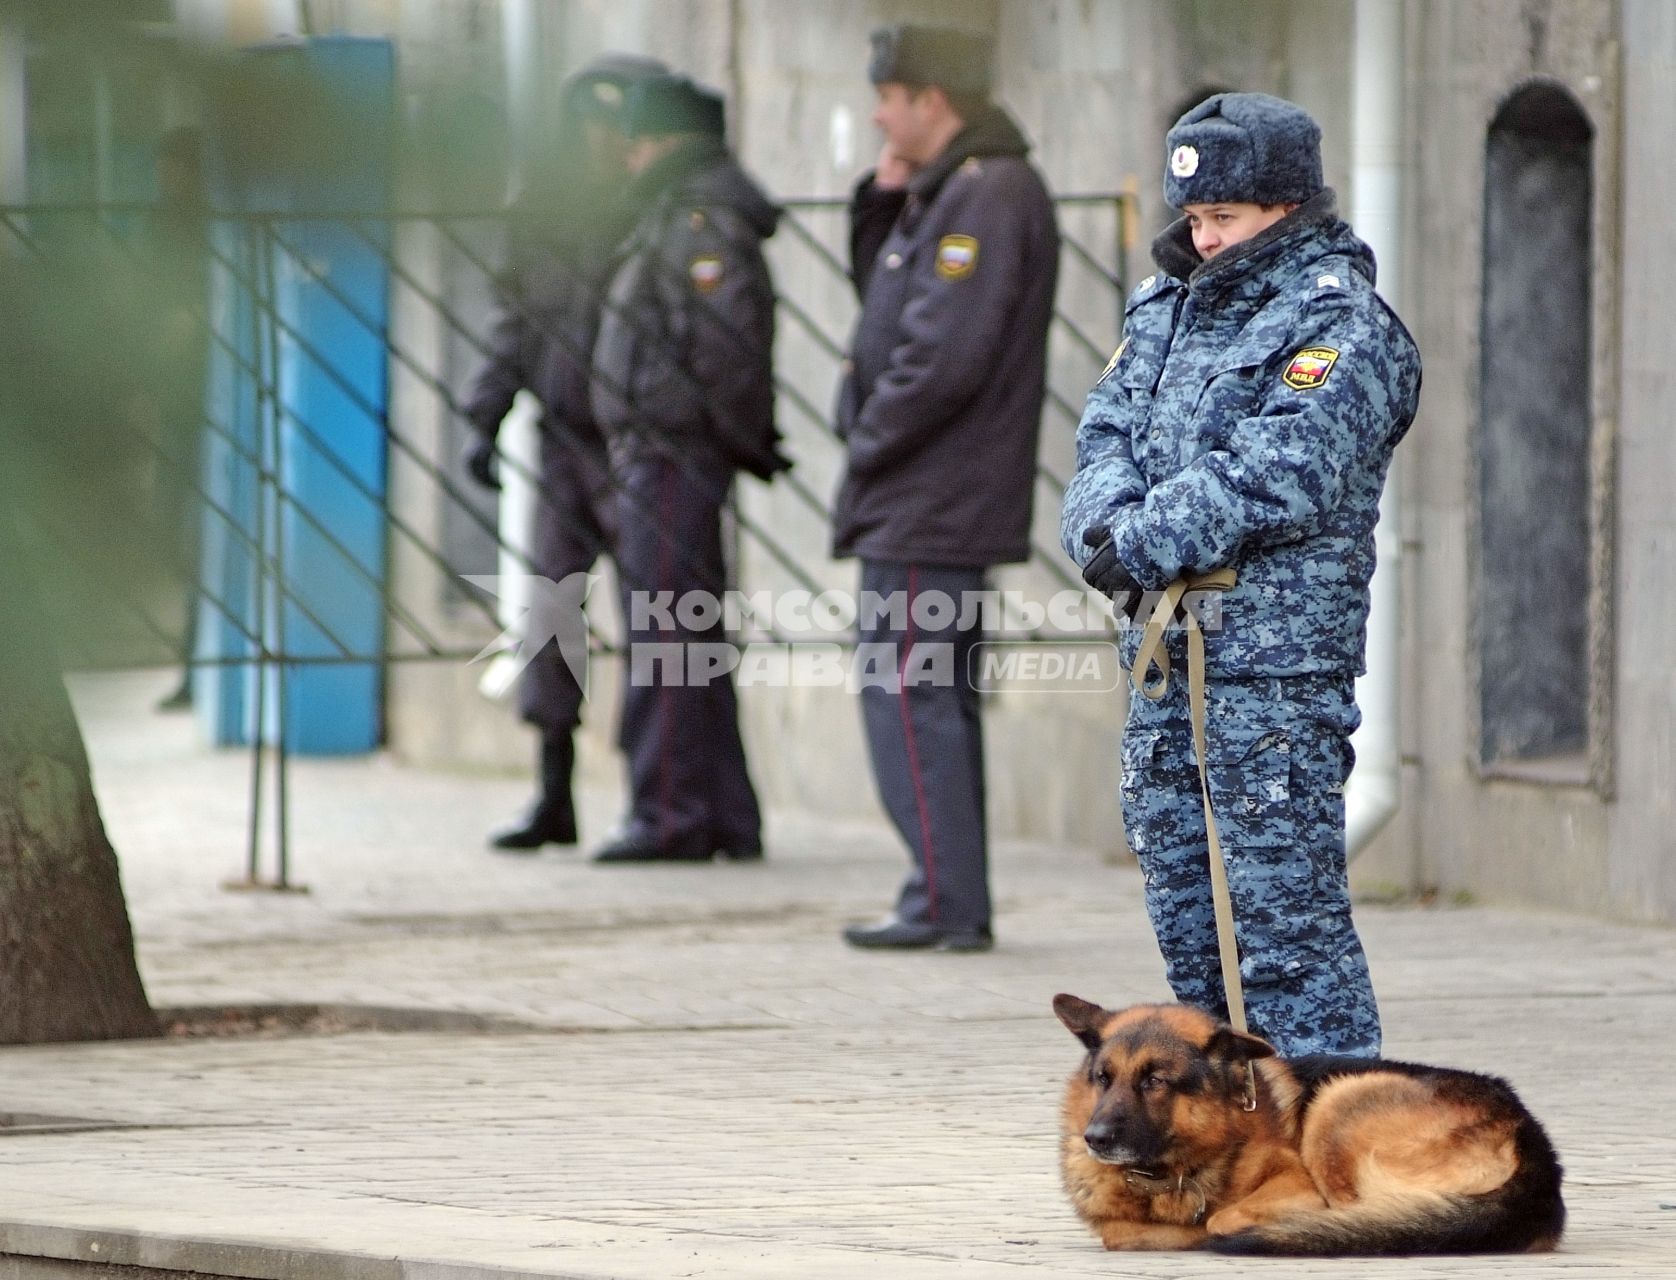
(683, 385)
(955, 256)
(566, 227)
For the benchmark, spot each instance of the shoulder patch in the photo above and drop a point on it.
(705, 271)
(1328, 282)
(1309, 368)
(957, 257)
(1116, 356)
(1154, 286)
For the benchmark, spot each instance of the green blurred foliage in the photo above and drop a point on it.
(104, 327)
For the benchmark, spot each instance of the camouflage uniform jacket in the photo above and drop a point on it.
(1248, 420)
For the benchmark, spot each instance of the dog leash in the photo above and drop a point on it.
(1153, 655)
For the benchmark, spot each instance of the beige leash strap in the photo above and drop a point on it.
(1154, 655)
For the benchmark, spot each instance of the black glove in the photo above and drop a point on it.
(1106, 574)
(481, 462)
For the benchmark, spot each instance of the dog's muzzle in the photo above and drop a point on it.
(1104, 1148)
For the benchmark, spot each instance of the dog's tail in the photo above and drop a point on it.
(1525, 1214)
(1430, 1224)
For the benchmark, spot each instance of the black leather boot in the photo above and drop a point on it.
(552, 819)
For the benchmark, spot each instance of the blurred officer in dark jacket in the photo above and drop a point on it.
(566, 227)
(956, 254)
(683, 385)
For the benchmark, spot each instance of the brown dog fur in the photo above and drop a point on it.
(1334, 1156)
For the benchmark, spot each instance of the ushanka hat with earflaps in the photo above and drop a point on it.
(599, 90)
(1243, 148)
(673, 104)
(955, 61)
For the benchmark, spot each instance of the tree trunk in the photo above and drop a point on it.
(67, 969)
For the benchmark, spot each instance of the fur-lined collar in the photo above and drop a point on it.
(1175, 255)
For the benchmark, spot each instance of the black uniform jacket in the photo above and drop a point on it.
(542, 335)
(684, 358)
(941, 402)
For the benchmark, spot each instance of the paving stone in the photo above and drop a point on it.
(720, 1087)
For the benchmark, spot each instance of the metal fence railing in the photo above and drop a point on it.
(310, 567)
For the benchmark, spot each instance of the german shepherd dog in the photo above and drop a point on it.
(1179, 1132)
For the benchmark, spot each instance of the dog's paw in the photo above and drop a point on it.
(1225, 1222)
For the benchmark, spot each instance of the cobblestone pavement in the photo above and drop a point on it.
(713, 1085)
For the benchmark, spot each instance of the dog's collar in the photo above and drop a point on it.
(1157, 1184)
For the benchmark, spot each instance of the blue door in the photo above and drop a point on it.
(300, 380)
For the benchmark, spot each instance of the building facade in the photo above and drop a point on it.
(1536, 717)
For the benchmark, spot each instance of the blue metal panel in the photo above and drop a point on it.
(221, 693)
(324, 336)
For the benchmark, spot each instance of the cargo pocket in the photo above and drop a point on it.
(1251, 792)
(1145, 794)
(1270, 870)
(1139, 379)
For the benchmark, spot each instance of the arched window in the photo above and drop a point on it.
(1533, 441)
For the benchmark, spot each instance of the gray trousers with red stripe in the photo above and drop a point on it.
(924, 735)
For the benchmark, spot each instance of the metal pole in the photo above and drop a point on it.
(1375, 788)
(260, 579)
(269, 576)
(276, 448)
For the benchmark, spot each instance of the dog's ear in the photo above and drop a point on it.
(1228, 1045)
(1082, 1018)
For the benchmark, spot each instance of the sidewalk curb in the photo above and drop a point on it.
(225, 1259)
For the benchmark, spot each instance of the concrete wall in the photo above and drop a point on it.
(1537, 835)
(1640, 873)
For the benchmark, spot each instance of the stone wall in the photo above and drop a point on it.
(1537, 834)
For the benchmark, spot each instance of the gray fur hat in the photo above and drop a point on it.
(955, 61)
(598, 90)
(672, 104)
(1246, 148)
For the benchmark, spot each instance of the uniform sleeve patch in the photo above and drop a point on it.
(1112, 363)
(957, 257)
(705, 272)
(1309, 368)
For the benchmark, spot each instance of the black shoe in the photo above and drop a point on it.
(905, 935)
(740, 851)
(970, 940)
(552, 820)
(543, 826)
(632, 848)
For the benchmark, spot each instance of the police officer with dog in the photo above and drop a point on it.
(683, 385)
(1247, 423)
(955, 257)
(566, 226)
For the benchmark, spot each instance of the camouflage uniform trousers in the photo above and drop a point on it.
(1279, 754)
